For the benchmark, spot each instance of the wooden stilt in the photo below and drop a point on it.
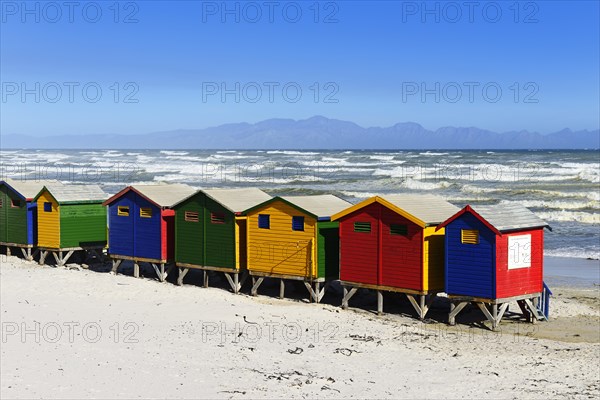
(255, 285)
(66, 258)
(317, 292)
(347, 296)
(455, 309)
(8, 253)
(43, 255)
(243, 278)
(57, 258)
(115, 266)
(533, 310)
(136, 270)
(205, 284)
(182, 273)
(321, 292)
(312, 296)
(281, 288)
(160, 271)
(423, 306)
(236, 283)
(379, 302)
(233, 282)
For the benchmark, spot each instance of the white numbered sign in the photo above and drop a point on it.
(519, 251)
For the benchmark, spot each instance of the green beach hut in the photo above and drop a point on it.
(18, 214)
(70, 218)
(210, 232)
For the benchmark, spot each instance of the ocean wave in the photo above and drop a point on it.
(569, 216)
(112, 154)
(174, 153)
(558, 204)
(573, 252)
(293, 152)
(431, 153)
(358, 195)
(382, 158)
(416, 184)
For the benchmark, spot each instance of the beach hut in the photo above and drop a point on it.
(141, 223)
(293, 237)
(18, 214)
(390, 243)
(494, 255)
(70, 218)
(210, 232)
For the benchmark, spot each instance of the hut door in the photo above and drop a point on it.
(401, 247)
(3, 207)
(121, 226)
(242, 243)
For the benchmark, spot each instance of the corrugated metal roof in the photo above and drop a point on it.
(322, 206)
(430, 209)
(509, 216)
(76, 193)
(237, 200)
(29, 188)
(165, 195)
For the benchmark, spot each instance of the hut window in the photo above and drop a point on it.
(264, 221)
(191, 216)
(146, 212)
(298, 223)
(362, 227)
(217, 218)
(15, 203)
(123, 211)
(47, 207)
(399, 229)
(469, 236)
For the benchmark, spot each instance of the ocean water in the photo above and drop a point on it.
(561, 187)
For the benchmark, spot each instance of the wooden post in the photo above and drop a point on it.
(454, 310)
(379, 302)
(8, 251)
(205, 284)
(163, 276)
(182, 273)
(317, 292)
(347, 296)
(115, 266)
(43, 254)
(66, 258)
(281, 289)
(236, 283)
(56, 258)
(136, 269)
(495, 316)
(255, 285)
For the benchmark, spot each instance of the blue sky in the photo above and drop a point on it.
(169, 65)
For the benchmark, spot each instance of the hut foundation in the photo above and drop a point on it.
(316, 287)
(425, 299)
(235, 278)
(62, 256)
(28, 251)
(162, 268)
(494, 309)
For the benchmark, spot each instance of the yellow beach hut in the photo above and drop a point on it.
(293, 238)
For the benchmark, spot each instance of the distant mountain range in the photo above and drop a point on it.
(315, 133)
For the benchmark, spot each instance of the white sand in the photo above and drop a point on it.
(340, 353)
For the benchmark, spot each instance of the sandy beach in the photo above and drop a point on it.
(75, 333)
